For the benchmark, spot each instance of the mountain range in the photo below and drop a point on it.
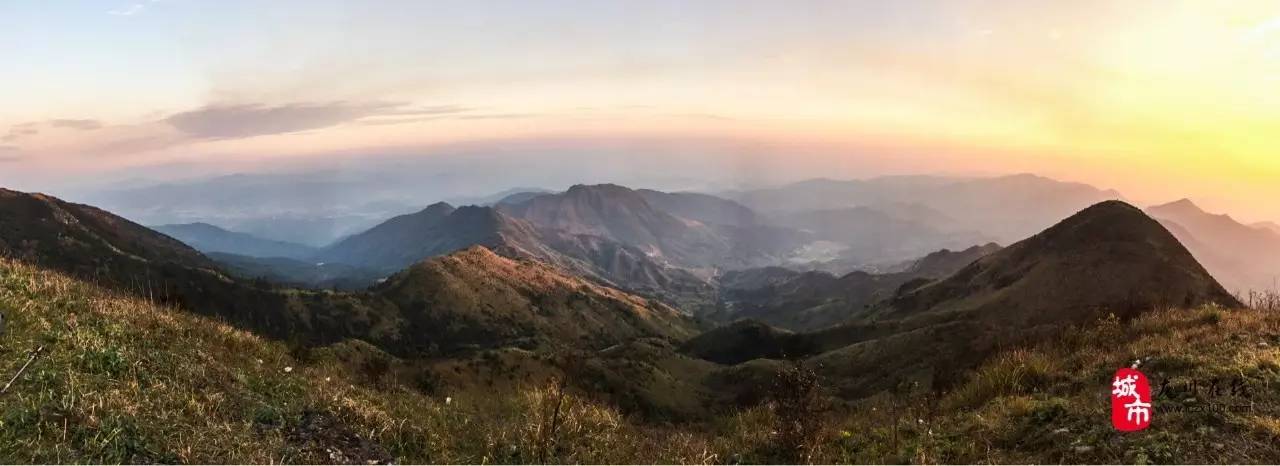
(498, 280)
(1005, 208)
(681, 246)
(97, 245)
(1245, 258)
(654, 303)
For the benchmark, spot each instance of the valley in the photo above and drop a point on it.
(676, 309)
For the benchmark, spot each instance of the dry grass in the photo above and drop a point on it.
(123, 380)
(1017, 371)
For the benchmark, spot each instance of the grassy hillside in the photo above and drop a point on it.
(1049, 403)
(122, 380)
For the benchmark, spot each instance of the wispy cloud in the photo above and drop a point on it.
(429, 110)
(83, 125)
(131, 9)
(704, 116)
(32, 128)
(222, 122)
(242, 121)
(442, 112)
(20, 131)
(497, 116)
(249, 120)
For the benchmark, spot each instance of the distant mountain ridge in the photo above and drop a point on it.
(209, 238)
(705, 208)
(442, 229)
(876, 236)
(620, 214)
(1243, 257)
(1268, 225)
(1005, 208)
(501, 197)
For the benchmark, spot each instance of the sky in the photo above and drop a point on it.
(1158, 99)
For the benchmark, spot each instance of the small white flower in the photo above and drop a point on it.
(288, 369)
(326, 379)
(259, 361)
(448, 399)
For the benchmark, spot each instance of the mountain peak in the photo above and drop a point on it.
(475, 255)
(1182, 205)
(1109, 257)
(438, 229)
(439, 208)
(1186, 212)
(194, 226)
(580, 189)
(1025, 177)
(1111, 207)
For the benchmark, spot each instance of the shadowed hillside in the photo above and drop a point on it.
(436, 230)
(804, 301)
(1110, 256)
(81, 238)
(932, 334)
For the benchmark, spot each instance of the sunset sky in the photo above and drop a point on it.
(1158, 99)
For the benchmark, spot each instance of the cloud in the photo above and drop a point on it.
(243, 121)
(83, 125)
(401, 120)
(429, 110)
(498, 116)
(217, 122)
(32, 128)
(20, 131)
(132, 9)
(704, 116)
(249, 120)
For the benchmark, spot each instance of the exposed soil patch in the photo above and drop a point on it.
(323, 439)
